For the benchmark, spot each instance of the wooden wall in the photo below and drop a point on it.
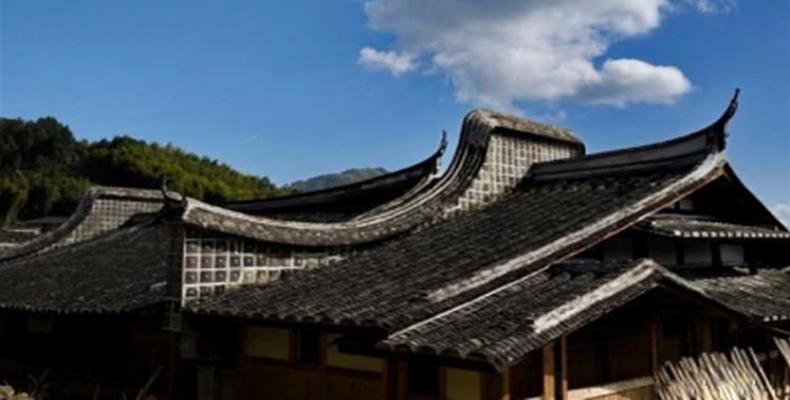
(269, 369)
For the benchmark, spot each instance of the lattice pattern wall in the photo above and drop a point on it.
(109, 214)
(507, 160)
(213, 263)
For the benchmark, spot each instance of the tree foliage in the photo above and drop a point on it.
(44, 170)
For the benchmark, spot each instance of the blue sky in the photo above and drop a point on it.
(285, 89)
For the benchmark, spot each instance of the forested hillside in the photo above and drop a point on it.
(44, 170)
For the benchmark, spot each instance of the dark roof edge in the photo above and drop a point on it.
(83, 210)
(708, 229)
(673, 153)
(425, 168)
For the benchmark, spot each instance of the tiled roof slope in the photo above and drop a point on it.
(695, 227)
(440, 267)
(121, 271)
(449, 266)
(502, 328)
(101, 210)
(344, 202)
(764, 295)
(396, 217)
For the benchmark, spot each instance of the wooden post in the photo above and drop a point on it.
(505, 393)
(563, 368)
(548, 372)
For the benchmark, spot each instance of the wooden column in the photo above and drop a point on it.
(562, 368)
(555, 370)
(505, 394)
(548, 372)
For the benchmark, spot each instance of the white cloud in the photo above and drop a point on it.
(395, 62)
(623, 81)
(711, 6)
(782, 211)
(500, 52)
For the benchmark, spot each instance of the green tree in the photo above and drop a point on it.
(45, 170)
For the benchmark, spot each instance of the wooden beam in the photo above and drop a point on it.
(548, 372)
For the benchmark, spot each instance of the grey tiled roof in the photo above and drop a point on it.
(503, 327)
(764, 296)
(101, 210)
(120, 271)
(465, 269)
(440, 267)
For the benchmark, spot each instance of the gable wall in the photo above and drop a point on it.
(213, 262)
(507, 160)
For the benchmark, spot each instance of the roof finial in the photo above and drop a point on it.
(170, 200)
(443, 143)
(719, 131)
(731, 108)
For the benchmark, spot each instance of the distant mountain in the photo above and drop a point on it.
(44, 170)
(331, 180)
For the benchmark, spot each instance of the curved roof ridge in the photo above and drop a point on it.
(675, 152)
(425, 206)
(85, 209)
(528, 126)
(423, 171)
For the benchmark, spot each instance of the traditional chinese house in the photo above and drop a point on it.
(528, 269)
